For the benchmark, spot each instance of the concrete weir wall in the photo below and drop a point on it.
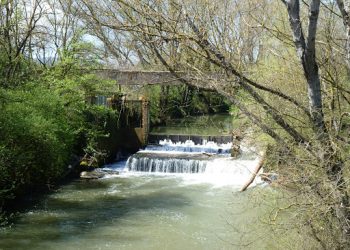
(132, 137)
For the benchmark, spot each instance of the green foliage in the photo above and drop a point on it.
(15, 72)
(45, 120)
(40, 129)
(181, 101)
(36, 139)
(97, 127)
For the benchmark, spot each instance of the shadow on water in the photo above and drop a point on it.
(83, 209)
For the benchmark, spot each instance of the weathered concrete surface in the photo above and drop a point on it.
(128, 133)
(132, 77)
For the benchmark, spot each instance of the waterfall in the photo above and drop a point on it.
(188, 157)
(193, 163)
(169, 165)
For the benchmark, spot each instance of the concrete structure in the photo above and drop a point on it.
(132, 136)
(141, 78)
(138, 135)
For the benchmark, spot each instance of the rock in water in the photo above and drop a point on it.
(97, 174)
(91, 175)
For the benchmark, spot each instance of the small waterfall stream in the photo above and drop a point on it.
(165, 165)
(207, 162)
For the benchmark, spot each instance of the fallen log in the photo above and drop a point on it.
(255, 173)
(268, 177)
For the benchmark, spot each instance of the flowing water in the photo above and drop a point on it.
(218, 124)
(167, 196)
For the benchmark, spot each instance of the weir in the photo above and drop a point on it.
(169, 157)
(161, 163)
(210, 160)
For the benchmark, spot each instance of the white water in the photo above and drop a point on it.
(191, 163)
(190, 147)
(170, 165)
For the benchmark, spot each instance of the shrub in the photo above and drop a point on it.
(37, 138)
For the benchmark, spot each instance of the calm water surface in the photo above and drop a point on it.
(218, 124)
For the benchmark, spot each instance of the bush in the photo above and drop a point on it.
(98, 135)
(37, 138)
(40, 129)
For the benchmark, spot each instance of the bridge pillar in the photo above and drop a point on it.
(145, 120)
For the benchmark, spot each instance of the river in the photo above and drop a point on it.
(152, 205)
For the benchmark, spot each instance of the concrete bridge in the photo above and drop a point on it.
(164, 78)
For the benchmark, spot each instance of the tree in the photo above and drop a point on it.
(18, 24)
(344, 10)
(237, 41)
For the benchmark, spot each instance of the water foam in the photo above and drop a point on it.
(168, 165)
(226, 172)
(190, 147)
(169, 160)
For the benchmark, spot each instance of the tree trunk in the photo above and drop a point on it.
(344, 10)
(306, 51)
